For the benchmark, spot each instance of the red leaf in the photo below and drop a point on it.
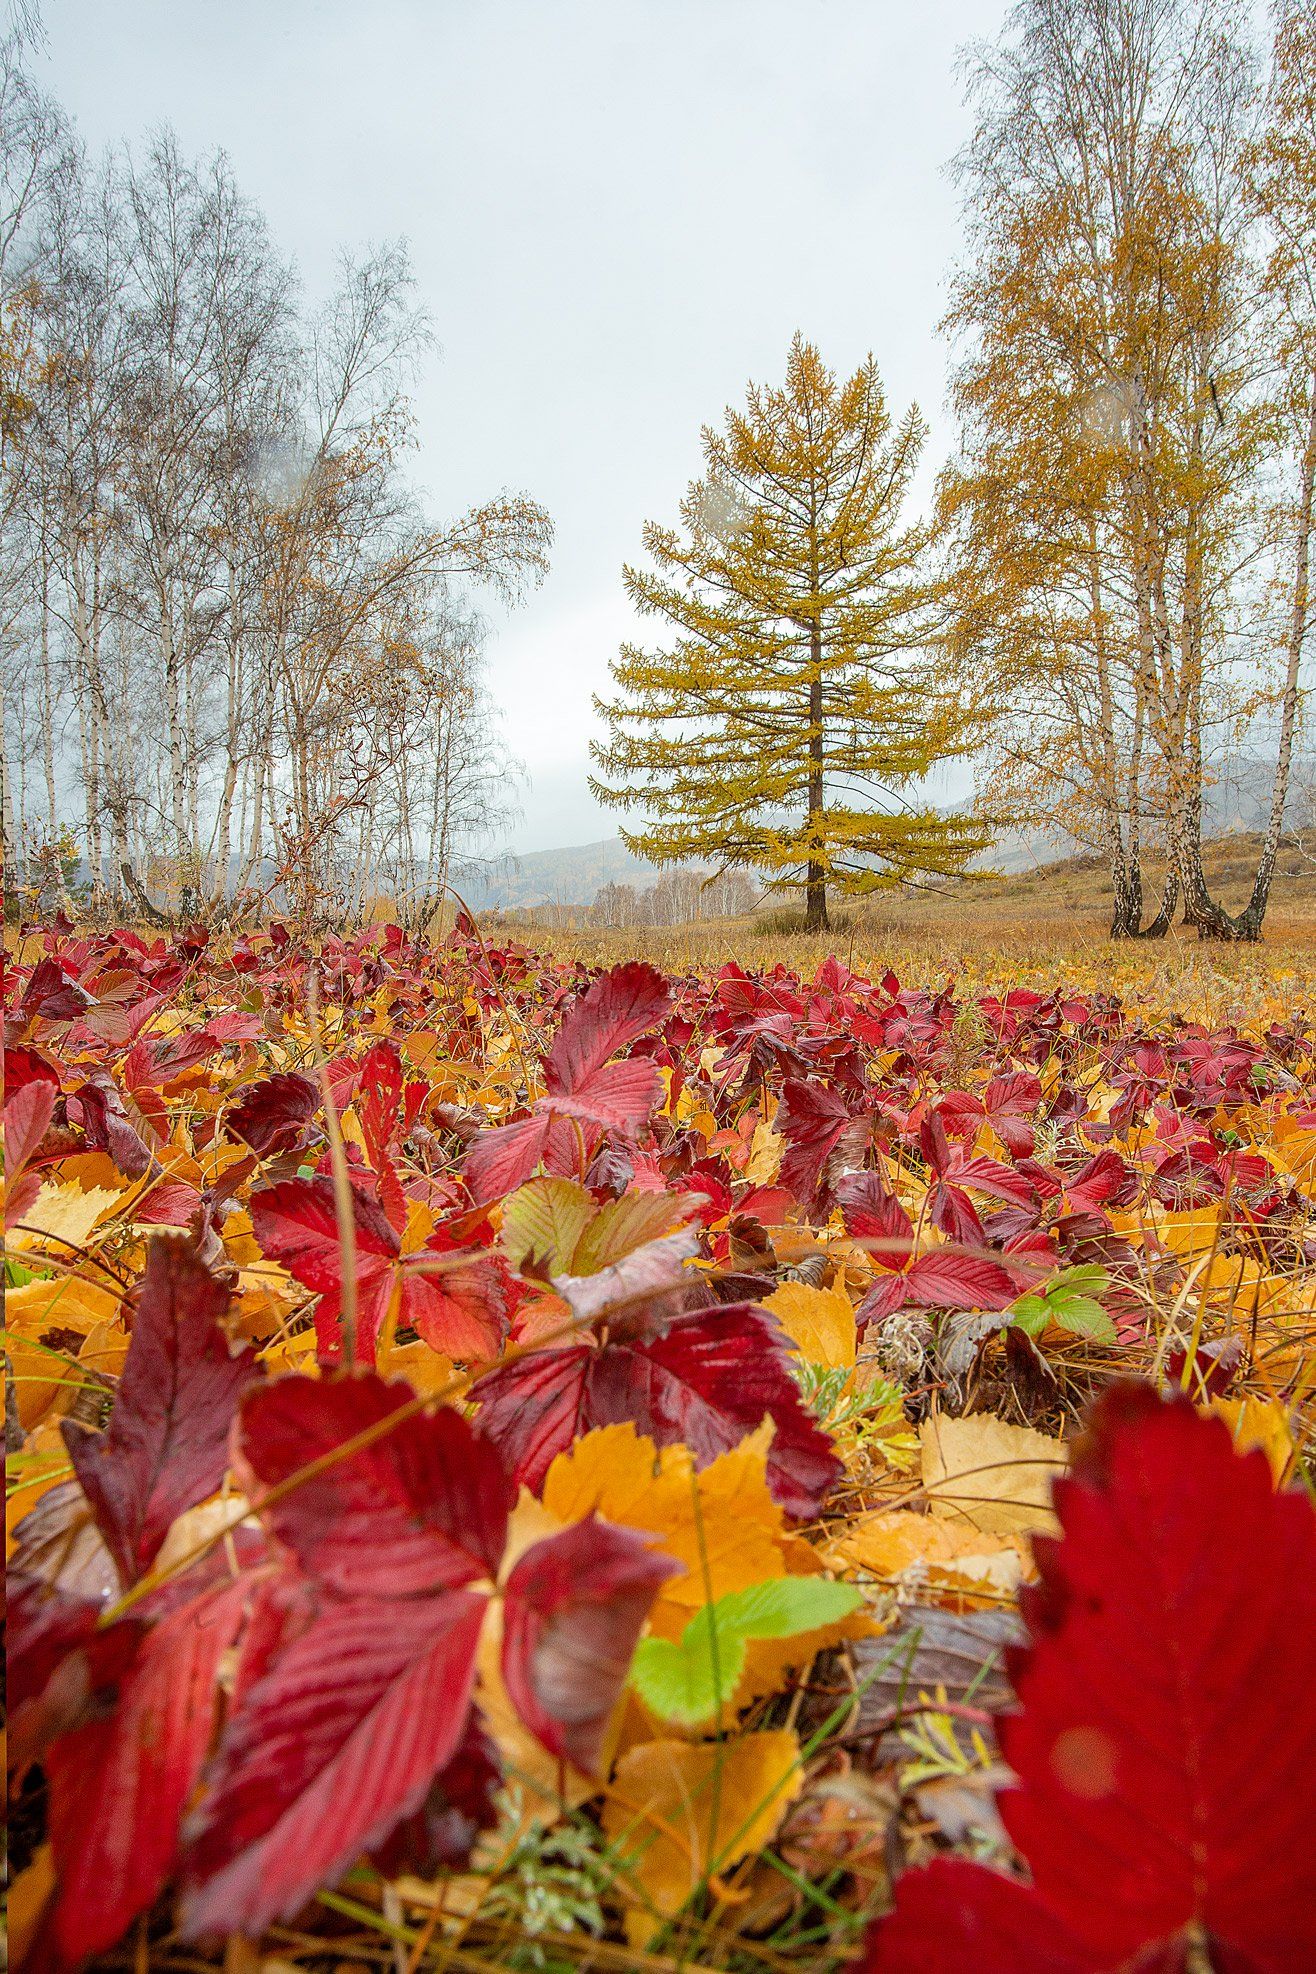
(574, 1605)
(26, 1118)
(274, 1113)
(957, 1915)
(119, 1784)
(165, 1447)
(709, 1380)
(327, 1752)
(423, 1507)
(1166, 1737)
(458, 1309)
(817, 1127)
(581, 1083)
(296, 1223)
(502, 1159)
(942, 1279)
(379, 1094)
(872, 1214)
(615, 1012)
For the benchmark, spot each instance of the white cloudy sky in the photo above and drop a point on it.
(618, 211)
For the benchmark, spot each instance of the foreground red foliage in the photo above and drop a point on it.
(345, 1287)
(1165, 1743)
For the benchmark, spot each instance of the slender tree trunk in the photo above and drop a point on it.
(815, 887)
(1248, 923)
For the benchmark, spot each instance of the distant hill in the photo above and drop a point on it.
(572, 876)
(1236, 801)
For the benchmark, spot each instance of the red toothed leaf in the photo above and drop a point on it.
(154, 1061)
(274, 1113)
(422, 1507)
(615, 1012)
(708, 1381)
(582, 1084)
(818, 1129)
(326, 1753)
(876, 1217)
(378, 1099)
(456, 1299)
(941, 1279)
(503, 1158)
(1166, 1734)
(573, 1608)
(51, 996)
(532, 1408)
(119, 1784)
(165, 1448)
(27, 1116)
(296, 1223)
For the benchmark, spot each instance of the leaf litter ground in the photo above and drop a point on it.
(512, 1464)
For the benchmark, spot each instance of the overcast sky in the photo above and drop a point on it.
(618, 212)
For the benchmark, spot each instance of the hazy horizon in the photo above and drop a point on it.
(617, 214)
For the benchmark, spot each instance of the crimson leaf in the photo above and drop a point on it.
(1166, 1736)
(709, 1380)
(165, 1447)
(573, 1611)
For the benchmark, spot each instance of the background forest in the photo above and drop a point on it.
(243, 661)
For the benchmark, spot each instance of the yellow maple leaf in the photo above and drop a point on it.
(680, 1812)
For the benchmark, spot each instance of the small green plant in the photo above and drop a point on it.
(873, 1414)
(687, 1681)
(1070, 1300)
(553, 1881)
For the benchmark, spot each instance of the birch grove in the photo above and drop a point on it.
(241, 661)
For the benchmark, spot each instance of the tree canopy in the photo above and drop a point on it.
(799, 699)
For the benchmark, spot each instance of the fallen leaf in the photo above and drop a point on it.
(679, 1811)
(991, 1474)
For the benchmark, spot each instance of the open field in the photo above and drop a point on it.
(1039, 931)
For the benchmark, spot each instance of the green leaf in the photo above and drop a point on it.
(543, 1220)
(687, 1681)
(1070, 1300)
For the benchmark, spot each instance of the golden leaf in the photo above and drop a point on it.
(679, 1812)
(819, 1322)
(990, 1474)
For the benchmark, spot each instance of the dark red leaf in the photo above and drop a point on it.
(27, 1116)
(817, 1128)
(274, 1113)
(573, 1608)
(422, 1507)
(296, 1223)
(379, 1096)
(165, 1447)
(503, 1158)
(327, 1752)
(119, 1784)
(1166, 1734)
(708, 1381)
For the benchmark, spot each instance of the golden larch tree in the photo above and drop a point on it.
(778, 730)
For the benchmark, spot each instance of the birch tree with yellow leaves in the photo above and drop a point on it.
(786, 725)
